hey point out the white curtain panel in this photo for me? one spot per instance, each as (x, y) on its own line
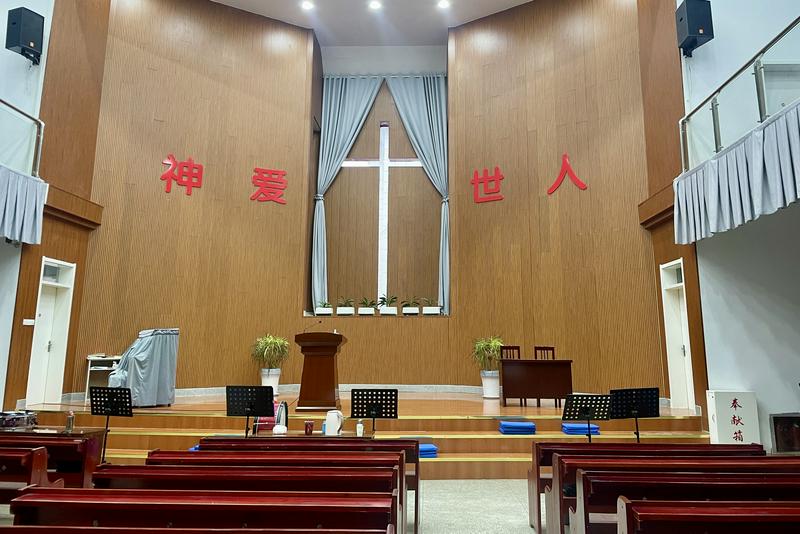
(22, 200)
(757, 175)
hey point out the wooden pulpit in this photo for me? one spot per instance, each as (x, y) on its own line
(319, 385)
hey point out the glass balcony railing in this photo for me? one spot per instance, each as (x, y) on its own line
(762, 87)
(20, 139)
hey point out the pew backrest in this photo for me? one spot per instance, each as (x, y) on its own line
(73, 458)
(124, 530)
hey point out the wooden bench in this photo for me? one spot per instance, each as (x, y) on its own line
(290, 458)
(123, 530)
(203, 509)
(309, 443)
(23, 467)
(707, 517)
(72, 458)
(596, 509)
(565, 472)
(539, 478)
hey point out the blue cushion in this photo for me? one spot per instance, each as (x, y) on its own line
(427, 448)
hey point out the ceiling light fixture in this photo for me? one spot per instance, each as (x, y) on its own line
(375, 5)
(306, 5)
(444, 4)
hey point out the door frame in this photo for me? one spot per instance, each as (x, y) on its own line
(669, 289)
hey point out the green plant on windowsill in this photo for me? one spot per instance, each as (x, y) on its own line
(324, 304)
(429, 302)
(387, 301)
(368, 303)
(345, 302)
(413, 302)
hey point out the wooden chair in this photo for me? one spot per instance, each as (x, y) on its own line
(544, 353)
(510, 352)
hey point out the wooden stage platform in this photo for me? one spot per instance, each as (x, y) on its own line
(463, 426)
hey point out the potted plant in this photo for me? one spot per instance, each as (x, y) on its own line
(323, 308)
(410, 306)
(270, 351)
(345, 307)
(386, 305)
(431, 307)
(486, 352)
(367, 306)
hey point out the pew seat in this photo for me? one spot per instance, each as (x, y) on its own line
(71, 457)
(132, 530)
(598, 491)
(565, 473)
(707, 517)
(23, 467)
(204, 509)
(540, 474)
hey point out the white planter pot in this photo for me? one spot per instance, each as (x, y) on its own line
(491, 384)
(410, 310)
(271, 377)
(323, 311)
(366, 311)
(345, 310)
(388, 310)
(431, 310)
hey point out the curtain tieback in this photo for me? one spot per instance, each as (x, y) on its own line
(445, 200)
(318, 197)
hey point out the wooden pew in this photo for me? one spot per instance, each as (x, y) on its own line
(539, 479)
(291, 458)
(203, 509)
(598, 492)
(20, 468)
(565, 470)
(707, 517)
(265, 478)
(72, 458)
(132, 530)
(309, 443)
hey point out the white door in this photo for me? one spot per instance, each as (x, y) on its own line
(50, 333)
(676, 330)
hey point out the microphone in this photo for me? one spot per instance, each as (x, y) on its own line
(312, 325)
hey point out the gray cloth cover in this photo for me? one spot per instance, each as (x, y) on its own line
(422, 104)
(757, 175)
(346, 101)
(148, 368)
(22, 200)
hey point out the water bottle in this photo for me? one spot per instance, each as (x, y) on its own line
(70, 423)
(360, 428)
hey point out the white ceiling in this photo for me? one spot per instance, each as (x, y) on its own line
(398, 23)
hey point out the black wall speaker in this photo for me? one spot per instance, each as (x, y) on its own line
(25, 33)
(695, 27)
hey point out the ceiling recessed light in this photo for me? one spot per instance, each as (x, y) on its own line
(306, 5)
(444, 4)
(374, 5)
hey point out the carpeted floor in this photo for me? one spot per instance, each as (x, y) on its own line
(475, 506)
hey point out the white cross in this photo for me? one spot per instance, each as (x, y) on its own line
(383, 163)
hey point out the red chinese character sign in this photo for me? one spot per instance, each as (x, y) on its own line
(486, 188)
(733, 417)
(184, 173)
(270, 183)
(566, 170)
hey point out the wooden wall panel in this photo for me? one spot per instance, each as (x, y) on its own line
(351, 213)
(573, 269)
(73, 85)
(414, 226)
(233, 91)
(662, 91)
(664, 251)
(64, 241)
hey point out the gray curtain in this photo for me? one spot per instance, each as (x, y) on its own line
(422, 104)
(22, 200)
(757, 175)
(148, 368)
(346, 101)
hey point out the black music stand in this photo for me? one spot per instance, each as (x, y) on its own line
(373, 404)
(249, 401)
(110, 402)
(634, 403)
(585, 408)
